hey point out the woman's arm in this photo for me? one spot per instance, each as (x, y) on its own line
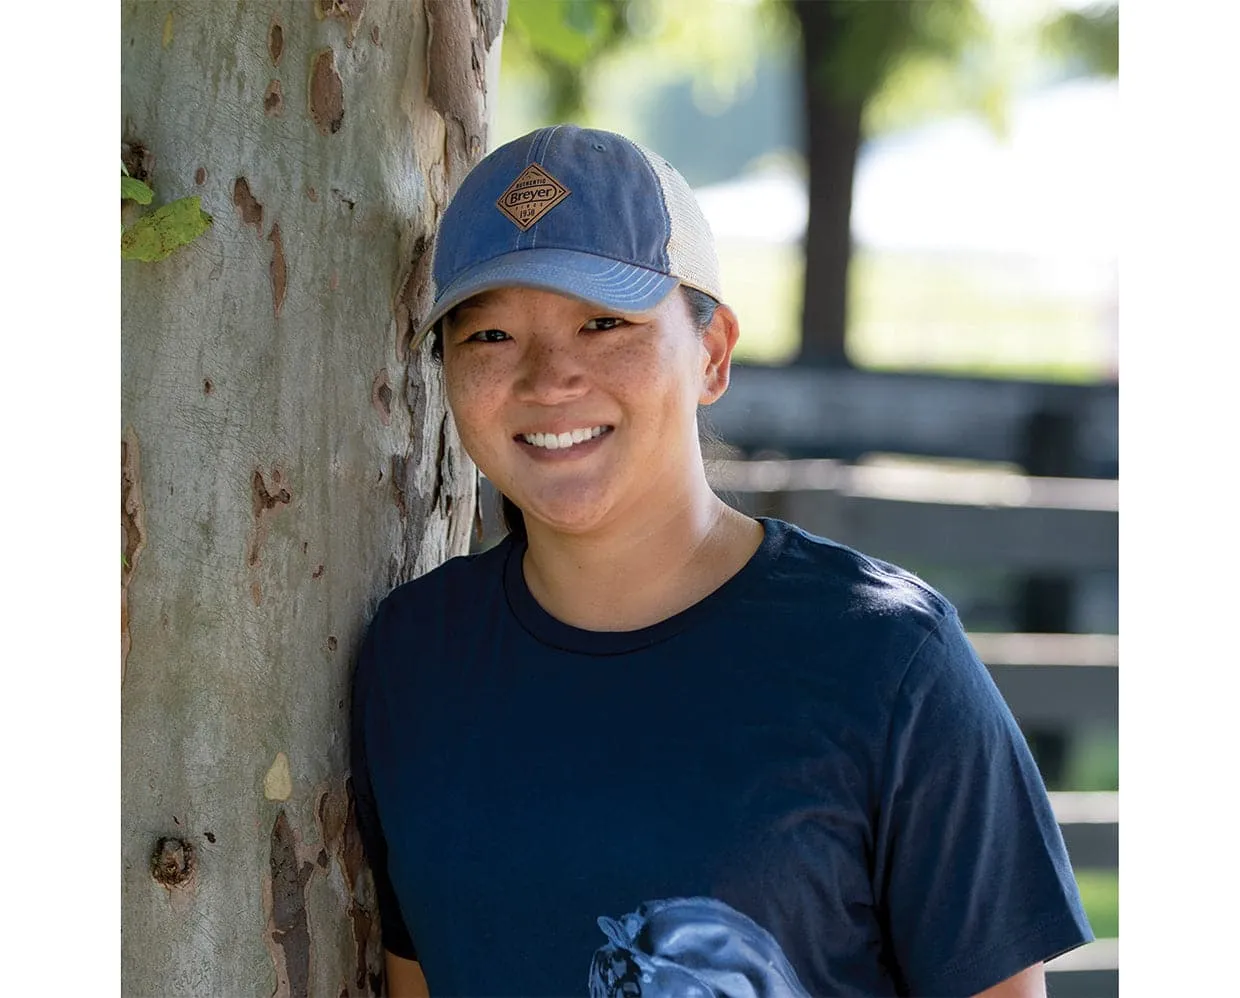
(1029, 983)
(405, 979)
(967, 832)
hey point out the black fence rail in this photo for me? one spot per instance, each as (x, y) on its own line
(1045, 429)
(963, 517)
(1028, 497)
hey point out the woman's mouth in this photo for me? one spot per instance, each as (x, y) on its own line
(565, 440)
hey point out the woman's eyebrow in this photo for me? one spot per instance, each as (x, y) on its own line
(480, 300)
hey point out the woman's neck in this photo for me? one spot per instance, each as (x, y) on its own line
(627, 578)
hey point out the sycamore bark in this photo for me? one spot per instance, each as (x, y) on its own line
(285, 460)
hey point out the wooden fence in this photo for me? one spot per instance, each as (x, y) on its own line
(1047, 429)
(1029, 495)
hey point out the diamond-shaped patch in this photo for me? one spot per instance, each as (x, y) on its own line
(534, 193)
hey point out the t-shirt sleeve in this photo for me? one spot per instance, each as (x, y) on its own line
(394, 933)
(972, 872)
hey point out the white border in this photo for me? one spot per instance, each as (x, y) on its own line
(1180, 381)
(61, 407)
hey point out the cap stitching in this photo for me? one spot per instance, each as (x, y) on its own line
(666, 260)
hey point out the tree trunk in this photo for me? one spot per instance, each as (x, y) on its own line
(833, 130)
(285, 460)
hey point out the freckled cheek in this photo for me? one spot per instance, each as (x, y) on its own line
(475, 395)
(656, 380)
(633, 371)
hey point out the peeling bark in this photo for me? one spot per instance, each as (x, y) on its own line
(456, 61)
(381, 397)
(326, 93)
(251, 211)
(414, 290)
(279, 272)
(350, 11)
(275, 40)
(273, 451)
(133, 530)
(398, 485)
(266, 505)
(273, 100)
(337, 820)
(287, 927)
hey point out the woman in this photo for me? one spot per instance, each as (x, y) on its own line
(648, 745)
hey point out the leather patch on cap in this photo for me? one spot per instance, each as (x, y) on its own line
(531, 196)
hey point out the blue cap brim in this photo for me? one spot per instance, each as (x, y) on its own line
(596, 280)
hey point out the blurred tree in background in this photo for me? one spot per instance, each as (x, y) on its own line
(851, 50)
(866, 66)
(1087, 40)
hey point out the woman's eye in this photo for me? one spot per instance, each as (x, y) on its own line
(603, 323)
(487, 336)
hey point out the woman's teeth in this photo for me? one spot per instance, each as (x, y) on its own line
(556, 441)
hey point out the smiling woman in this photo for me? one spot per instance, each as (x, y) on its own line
(582, 419)
(647, 745)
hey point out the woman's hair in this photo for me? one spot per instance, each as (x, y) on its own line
(701, 310)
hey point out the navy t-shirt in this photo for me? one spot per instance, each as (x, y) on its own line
(805, 784)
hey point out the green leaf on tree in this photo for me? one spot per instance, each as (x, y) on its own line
(154, 236)
(135, 190)
(567, 32)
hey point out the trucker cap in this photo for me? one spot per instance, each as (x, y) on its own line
(581, 212)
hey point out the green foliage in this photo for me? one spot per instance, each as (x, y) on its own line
(1088, 38)
(568, 33)
(958, 61)
(858, 43)
(951, 59)
(624, 48)
(559, 40)
(1100, 896)
(908, 61)
(155, 236)
(135, 190)
(900, 59)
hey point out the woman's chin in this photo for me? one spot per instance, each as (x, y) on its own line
(568, 514)
(567, 520)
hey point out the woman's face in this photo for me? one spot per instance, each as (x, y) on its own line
(581, 415)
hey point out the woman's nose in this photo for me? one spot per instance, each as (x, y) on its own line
(549, 374)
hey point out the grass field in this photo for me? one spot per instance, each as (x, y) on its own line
(971, 316)
(1100, 895)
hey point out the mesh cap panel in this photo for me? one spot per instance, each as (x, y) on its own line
(691, 245)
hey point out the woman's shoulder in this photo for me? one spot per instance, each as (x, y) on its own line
(834, 581)
(461, 582)
(421, 619)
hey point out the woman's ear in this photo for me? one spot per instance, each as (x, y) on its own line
(718, 341)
